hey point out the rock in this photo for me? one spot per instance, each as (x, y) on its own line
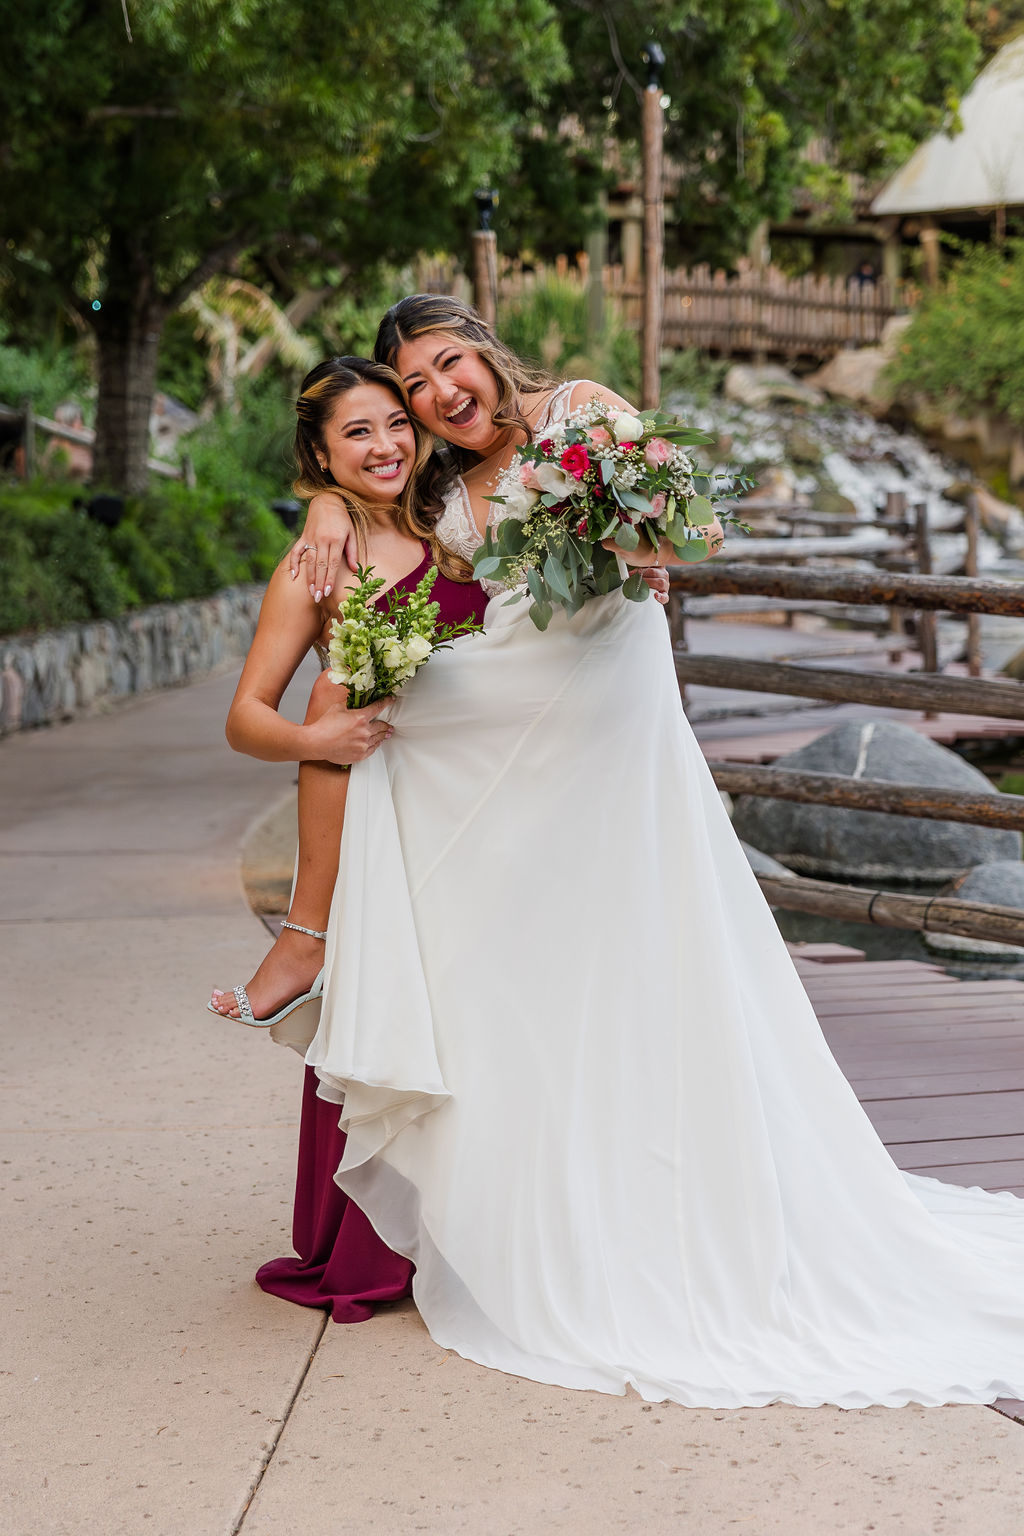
(761, 864)
(999, 884)
(871, 845)
(802, 447)
(761, 386)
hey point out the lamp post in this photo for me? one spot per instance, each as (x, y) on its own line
(485, 257)
(654, 228)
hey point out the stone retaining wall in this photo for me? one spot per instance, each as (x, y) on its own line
(55, 675)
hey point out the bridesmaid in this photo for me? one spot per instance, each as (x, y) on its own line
(354, 433)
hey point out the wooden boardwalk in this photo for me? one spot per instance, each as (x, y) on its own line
(937, 1063)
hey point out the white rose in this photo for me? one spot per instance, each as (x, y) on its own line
(520, 502)
(627, 428)
(553, 480)
(417, 648)
(393, 657)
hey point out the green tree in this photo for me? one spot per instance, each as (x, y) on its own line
(144, 147)
(750, 82)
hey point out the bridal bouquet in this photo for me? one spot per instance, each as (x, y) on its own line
(376, 647)
(601, 475)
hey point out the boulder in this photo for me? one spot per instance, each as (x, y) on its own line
(842, 844)
(761, 386)
(761, 864)
(999, 884)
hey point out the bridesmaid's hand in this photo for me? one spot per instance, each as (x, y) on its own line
(343, 735)
(327, 539)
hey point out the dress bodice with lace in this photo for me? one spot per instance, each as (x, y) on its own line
(457, 528)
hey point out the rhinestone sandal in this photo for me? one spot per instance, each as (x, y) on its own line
(314, 994)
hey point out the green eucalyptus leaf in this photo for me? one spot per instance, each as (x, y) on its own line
(699, 512)
(554, 574)
(541, 613)
(627, 537)
(693, 549)
(607, 469)
(489, 566)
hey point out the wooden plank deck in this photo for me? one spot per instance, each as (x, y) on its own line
(937, 1063)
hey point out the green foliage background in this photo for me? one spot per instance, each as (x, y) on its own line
(60, 567)
(962, 349)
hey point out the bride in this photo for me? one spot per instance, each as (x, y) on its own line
(583, 1088)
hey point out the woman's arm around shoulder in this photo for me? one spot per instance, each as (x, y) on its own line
(325, 545)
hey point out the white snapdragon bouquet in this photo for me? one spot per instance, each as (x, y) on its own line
(376, 646)
(602, 476)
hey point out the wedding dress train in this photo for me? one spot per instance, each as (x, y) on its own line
(583, 1087)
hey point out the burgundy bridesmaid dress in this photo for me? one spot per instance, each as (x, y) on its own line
(342, 1264)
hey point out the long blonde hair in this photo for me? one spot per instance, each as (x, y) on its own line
(421, 501)
(422, 313)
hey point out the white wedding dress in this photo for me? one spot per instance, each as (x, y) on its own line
(583, 1086)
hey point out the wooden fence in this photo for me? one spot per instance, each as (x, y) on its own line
(926, 690)
(755, 312)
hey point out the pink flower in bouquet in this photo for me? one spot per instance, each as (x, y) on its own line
(575, 461)
(599, 436)
(658, 504)
(627, 447)
(525, 473)
(657, 452)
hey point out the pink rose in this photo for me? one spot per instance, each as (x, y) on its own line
(525, 471)
(575, 461)
(658, 504)
(599, 436)
(657, 452)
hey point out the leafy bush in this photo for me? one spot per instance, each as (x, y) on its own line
(549, 326)
(248, 453)
(962, 349)
(61, 567)
(45, 375)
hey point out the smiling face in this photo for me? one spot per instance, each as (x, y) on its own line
(452, 390)
(369, 444)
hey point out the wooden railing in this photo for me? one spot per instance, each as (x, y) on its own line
(755, 312)
(925, 594)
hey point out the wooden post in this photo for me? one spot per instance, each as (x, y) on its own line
(972, 525)
(597, 260)
(926, 629)
(28, 439)
(677, 631)
(654, 232)
(896, 509)
(485, 275)
(929, 238)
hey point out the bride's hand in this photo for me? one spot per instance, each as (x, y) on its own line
(327, 538)
(656, 578)
(343, 735)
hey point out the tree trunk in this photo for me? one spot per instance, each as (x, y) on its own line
(128, 339)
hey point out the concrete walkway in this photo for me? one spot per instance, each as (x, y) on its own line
(148, 1386)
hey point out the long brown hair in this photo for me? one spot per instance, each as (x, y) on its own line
(422, 313)
(421, 501)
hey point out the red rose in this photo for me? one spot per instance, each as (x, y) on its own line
(575, 461)
(627, 447)
(581, 527)
(546, 446)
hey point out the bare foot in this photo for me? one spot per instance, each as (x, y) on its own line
(288, 970)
